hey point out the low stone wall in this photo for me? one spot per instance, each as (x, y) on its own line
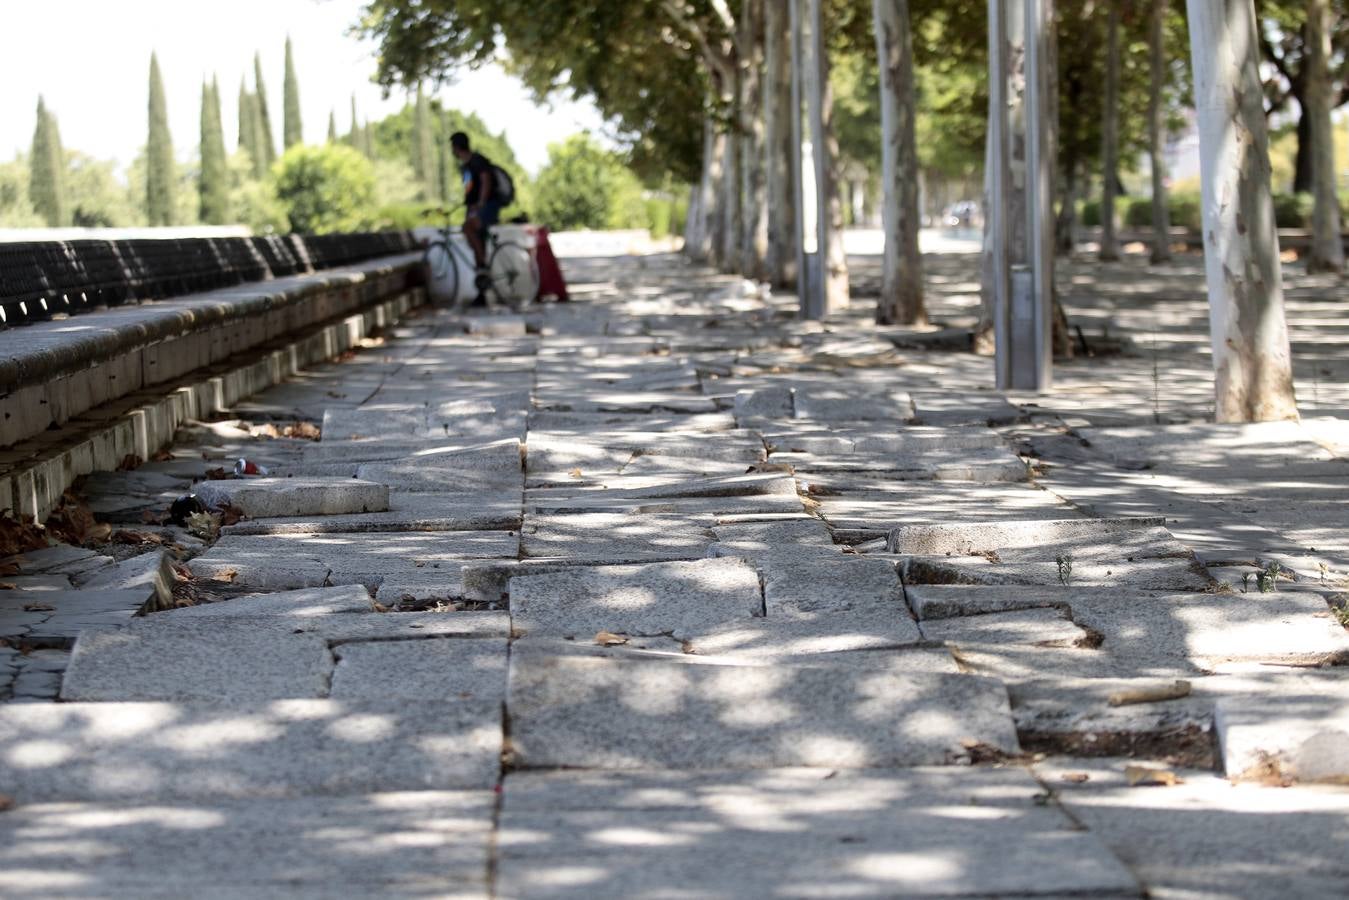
(81, 394)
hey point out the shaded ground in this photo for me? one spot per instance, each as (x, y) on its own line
(675, 595)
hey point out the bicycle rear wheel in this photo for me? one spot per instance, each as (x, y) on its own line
(514, 274)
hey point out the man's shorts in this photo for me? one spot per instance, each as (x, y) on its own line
(489, 213)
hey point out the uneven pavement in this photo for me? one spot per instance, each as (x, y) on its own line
(665, 594)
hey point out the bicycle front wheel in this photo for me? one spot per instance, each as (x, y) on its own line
(443, 272)
(515, 276)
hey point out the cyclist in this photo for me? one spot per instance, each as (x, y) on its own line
(481, 199)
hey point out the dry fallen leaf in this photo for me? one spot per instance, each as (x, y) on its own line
(1076, 777)
(226, 575)
(162, 456)
(380, 607)
(608, 639)
(9, 568)
(217, 474)
(1142, 776)
(230, 515)
(8, 586)
(306, 430)
(127, 536)
(6, 802)
(129, 462)
(576, 473)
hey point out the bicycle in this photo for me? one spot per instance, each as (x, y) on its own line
(512, 274)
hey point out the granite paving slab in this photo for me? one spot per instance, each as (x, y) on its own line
(408, 511)
(622, 713)
(413, 843)
(615, 537)
(300, 605)
(138, 752)
(430, 669)
(1206, 836)
(260, 498)
(1205, 629)
(152, 573)
(225, 659)
(285, 561)
(679, 598)
(1296, 728)
(795, 833)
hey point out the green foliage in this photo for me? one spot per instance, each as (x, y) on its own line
(667, 212)
(97, 198)
(641, 72)
(250, 138)
(1186, 210)
(160, 177)
(263, 119)
(213, 188)
(1293, 210)
(46, 186)
(585, 186)
(293, 130)
(253, 201)
(325, 189)
(15, 209)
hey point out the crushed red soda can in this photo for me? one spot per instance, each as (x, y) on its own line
(247, 467)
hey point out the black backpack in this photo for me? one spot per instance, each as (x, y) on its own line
(503, 188)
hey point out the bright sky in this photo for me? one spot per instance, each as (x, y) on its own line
(90, 60)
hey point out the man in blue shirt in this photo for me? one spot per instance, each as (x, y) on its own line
(484, 210)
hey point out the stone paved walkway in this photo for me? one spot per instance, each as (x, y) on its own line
(664, 594)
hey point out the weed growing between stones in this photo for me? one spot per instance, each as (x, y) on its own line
(1065, 564)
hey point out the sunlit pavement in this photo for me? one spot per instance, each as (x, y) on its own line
(678, 596)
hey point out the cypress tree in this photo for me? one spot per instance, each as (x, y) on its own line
(264, 120)
(213, 188)
(46, 172)
(424, 163)
(368, 140)
(248, 135)
(159, 175)
(354, 138)
(293, 130)
(332, 127)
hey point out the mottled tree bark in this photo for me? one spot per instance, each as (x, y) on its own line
(836, 284)
(1252, 361)
(698, 228)
(1327, 250)
(753, 188)
(1161, 215)
(901, 300)
(1110, 136)
(781, 256)
(715, 209)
